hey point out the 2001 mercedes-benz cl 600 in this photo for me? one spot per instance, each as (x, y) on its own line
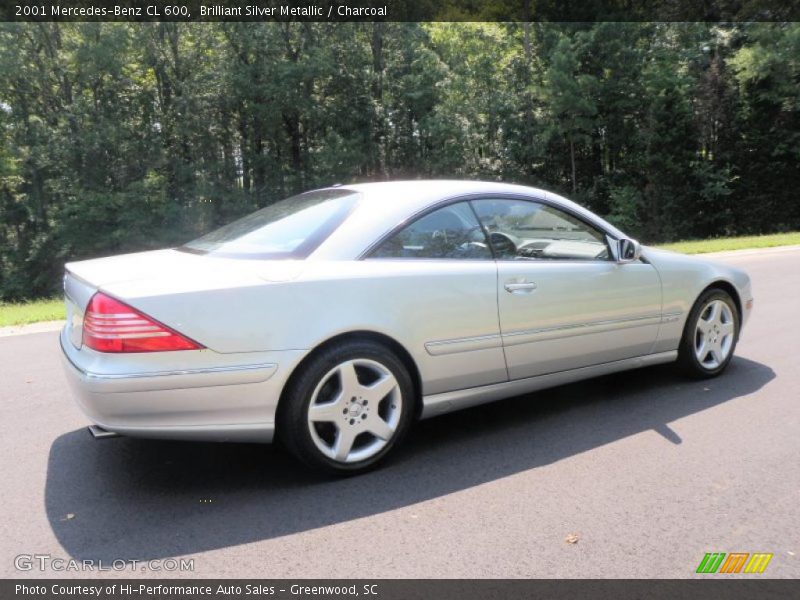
(335, 318)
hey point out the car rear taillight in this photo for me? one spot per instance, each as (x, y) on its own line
(111, 326)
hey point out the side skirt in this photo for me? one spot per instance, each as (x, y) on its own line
(445, 402)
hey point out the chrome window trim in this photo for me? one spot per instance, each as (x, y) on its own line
(479, 196)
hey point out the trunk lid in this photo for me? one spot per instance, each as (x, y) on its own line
(145, 280)
(176, 269)
(168, 265)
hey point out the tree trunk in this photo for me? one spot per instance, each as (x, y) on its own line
(572, 161)
(378, 131)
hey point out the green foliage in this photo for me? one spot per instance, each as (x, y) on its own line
(120, 137)
(624, 202)
(735, 243)
(34, 311)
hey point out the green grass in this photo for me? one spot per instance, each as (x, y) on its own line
(734, 243)
(50, 309)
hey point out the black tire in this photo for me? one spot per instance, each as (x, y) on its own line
(294, 429)
(687, 357)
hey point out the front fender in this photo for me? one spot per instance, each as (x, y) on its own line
(683, 279)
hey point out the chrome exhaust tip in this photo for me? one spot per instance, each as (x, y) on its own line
(99, 433)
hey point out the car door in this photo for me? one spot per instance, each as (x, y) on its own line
(564, 303)
(439, 274)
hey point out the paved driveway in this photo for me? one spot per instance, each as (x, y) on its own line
(647, 470)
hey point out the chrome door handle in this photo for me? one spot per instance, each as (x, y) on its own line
(520, 288)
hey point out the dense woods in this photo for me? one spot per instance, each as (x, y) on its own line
(121, 137)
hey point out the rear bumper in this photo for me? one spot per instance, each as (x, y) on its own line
(187, 395)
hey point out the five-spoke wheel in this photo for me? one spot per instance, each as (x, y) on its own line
(355, 410)
(714, 333)
(710, 335)
(347, 406)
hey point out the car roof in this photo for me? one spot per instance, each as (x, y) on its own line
(422, 191)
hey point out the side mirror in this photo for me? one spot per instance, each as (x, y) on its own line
(628, 250)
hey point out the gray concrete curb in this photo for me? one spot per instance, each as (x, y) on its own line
(749, 251)
(31, 328)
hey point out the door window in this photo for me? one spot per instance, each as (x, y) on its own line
(525, 229)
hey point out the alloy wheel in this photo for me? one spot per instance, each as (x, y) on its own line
(714, 334)
(355, 410)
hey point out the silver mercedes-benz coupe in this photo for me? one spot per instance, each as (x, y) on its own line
(333, 319)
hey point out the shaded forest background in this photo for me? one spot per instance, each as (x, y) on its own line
(122, 137)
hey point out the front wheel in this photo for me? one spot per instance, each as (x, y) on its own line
(710, 335)
(347, 408)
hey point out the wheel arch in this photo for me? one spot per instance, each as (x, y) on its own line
(725, 286)
(380, 338)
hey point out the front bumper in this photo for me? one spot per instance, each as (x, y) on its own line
(195, 395)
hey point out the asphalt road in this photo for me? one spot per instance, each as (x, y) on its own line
(648, 470)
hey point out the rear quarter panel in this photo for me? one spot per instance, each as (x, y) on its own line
(412, 302)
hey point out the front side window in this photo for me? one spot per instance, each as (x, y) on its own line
(451, 232)
(291, 228)
(524, 229)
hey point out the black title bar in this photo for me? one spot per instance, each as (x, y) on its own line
(713, 588)
(400, 10)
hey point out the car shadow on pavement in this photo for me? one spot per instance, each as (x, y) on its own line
(141, 499)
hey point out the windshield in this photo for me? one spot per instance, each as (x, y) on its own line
(291, 228)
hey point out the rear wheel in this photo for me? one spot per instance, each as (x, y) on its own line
(710, 335)
(348, 407)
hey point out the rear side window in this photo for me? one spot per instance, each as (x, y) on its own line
(452, 232)
(291, 228)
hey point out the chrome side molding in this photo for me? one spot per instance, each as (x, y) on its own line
(469, 344)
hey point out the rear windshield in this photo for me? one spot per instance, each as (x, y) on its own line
(291, 228)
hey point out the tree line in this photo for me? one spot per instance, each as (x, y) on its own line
(118, 137)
